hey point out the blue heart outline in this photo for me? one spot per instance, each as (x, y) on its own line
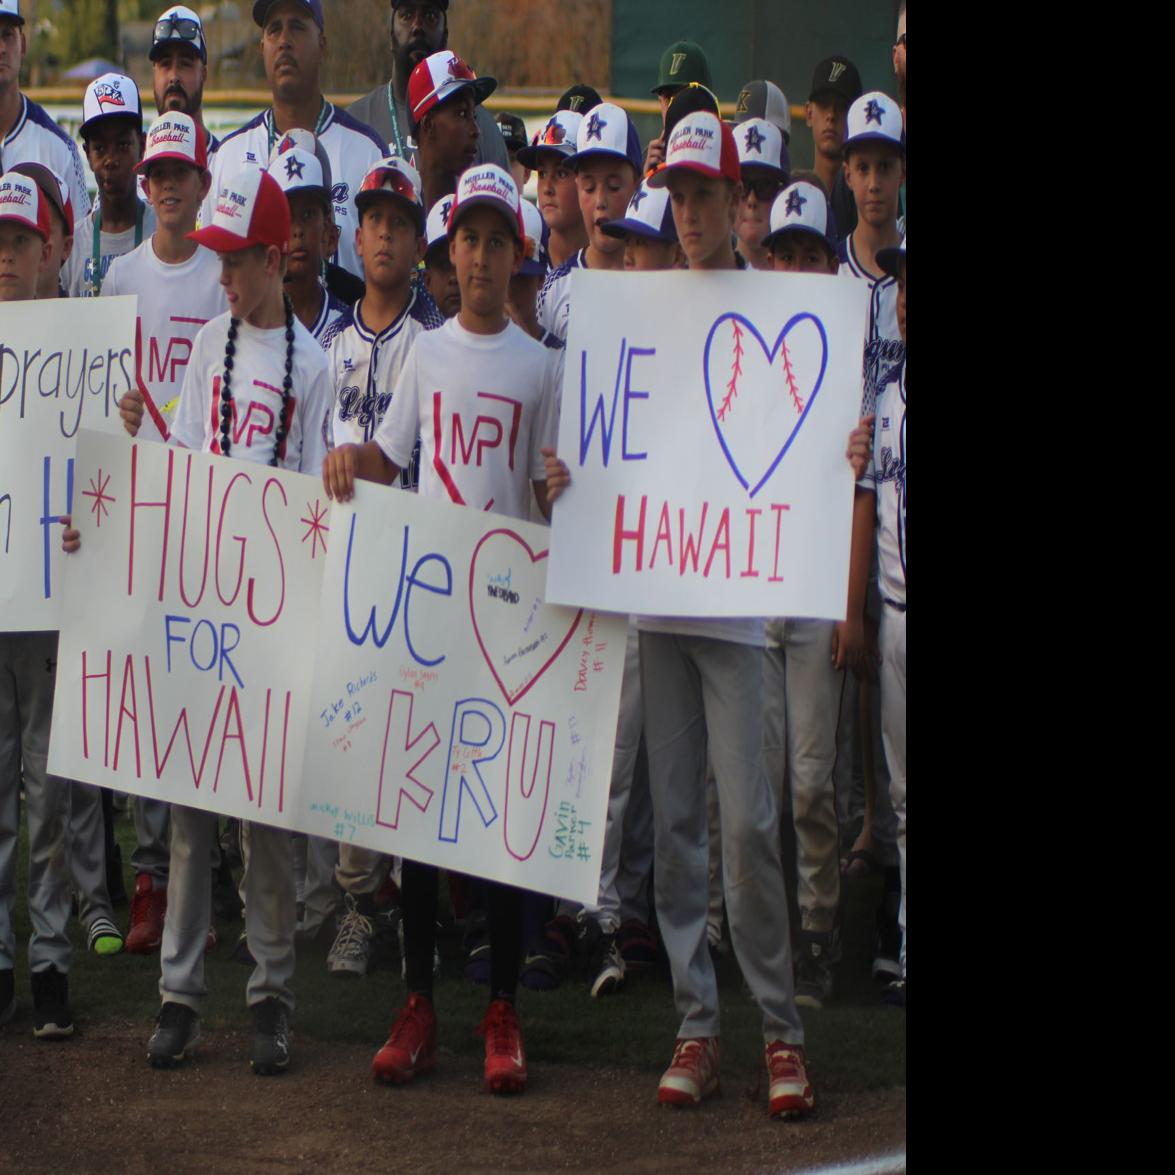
(787, 328)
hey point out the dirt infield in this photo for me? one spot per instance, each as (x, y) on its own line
(93, 1104)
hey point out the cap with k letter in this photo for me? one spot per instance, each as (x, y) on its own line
(251, 209)
(174, 135)
(802, 207)
(488, 184)
(701, 143)
(21, 201)
(764, 99)
(876, 117)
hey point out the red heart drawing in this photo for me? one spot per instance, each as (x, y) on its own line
(513, 632)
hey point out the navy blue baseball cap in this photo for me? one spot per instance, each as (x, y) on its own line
(262, 7)
(649, 214)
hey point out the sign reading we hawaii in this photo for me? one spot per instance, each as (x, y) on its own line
(63, 366)
(704, 421)
(385, 673)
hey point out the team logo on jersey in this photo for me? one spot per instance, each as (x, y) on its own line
(109, 94)
(884, 423)
(340, 192)
(795, 204)
(595, 125)
(295, 168)
(675, 65)
(744, 99)
(348, 365)
(250, 157)
(754, 140)
(838, 67)
(635, 203)
(873, 111)
(365, 408)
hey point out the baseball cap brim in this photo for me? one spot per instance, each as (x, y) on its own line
(220, 240)
(493, 202)
(142, 166)
(482, 88)
(874, 137)
(530, 156)
(363, 201)
(621, 228)
(769, 240)
(660, 178)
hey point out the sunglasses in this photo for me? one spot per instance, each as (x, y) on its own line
(387, 179)
(765, 188)
(177, 27)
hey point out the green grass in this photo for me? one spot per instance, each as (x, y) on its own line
(855, 1044)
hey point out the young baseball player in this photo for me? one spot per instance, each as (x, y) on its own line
(702, 682)
(238, 359)
(550, 157)
(514, 135)
(56, 193)
(607, 165)
(28, 666)
(112, 135)
(648, 232)
(765, 170)
(836, 85)
(440, 278)
(877, 450)
(448, 373)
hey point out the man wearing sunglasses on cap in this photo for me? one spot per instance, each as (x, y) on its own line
(179, 58)
(419, 28)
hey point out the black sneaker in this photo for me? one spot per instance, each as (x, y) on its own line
(887, 941)
(814, 960)
(894, 993)
(605, 967)
(176, 1034)
(7, 995)
(271, 1039)
(52, 1019)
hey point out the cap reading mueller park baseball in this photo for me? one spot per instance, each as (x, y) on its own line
(608, 130)
(436, 229)
(557, 137)
(649, 214)
(761, 148)
(438, 77)
(175, 135)
(53, 188)
(21, 201)
(701, 143)
(683, 62)
(875, 117)
(488, 184)
(764, 99)
(393, 176)
(113, 95)
(835, 77)
(891, 260)
(802, 207)
(534, 257)
(11, 10)
(178, 25)
(250, 209)
(262, 7)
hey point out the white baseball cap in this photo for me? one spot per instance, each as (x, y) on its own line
(21, 201)
(394, 176)
(701, 142)
(11, 9)
(607, 130)
(876, 117)
(801, 207)
(534, 261)
(760, 145)
(113, 95)
(178, 25)
(764, 99)
(649, 214)
(488, 184)
(558, 137)
(175, 135)
(891, 260)
(436, 229)
(299, 170)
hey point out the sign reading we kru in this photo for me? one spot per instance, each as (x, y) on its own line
(704, 420)
(64, 365)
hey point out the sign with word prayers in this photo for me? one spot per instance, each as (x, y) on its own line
(457, 717)
(187, 635)
(63, 366)
(705, 420)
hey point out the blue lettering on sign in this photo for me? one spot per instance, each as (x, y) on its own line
(622, 390)
(207, 643)
(477, 726)
(49, 520)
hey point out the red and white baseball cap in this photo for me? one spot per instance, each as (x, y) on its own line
(488, 184)
(393, 176)
(112, 95)
(876, 117)
(437, 78)
(761, 148)
(54, 189)
(21, 201)
(175, 135)
(802, 207)
(250, 209)
(701, 142)
(557, 137)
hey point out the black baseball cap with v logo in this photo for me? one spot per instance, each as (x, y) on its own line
(836, 77)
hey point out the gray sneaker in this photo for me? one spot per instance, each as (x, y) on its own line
(351, 952)
(271, 1037)
(177, 1031)
(605, 967)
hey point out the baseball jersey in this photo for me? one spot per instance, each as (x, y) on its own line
(36, 138)
(483, 406)
(259, 365)
(883, 341)
(333, 315)
(886, 477)
(553, 305)
(351, 147)
(175, 301)
(84, 271)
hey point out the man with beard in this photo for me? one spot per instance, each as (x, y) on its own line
(179, 58)
(419, 28)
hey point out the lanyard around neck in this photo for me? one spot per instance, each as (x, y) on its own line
(395, 123)
(96, 277)
(271, 124)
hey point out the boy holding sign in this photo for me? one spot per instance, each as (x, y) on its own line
(702, 684)
(451, 373)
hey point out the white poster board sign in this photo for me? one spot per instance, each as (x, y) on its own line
(64, 365)
(705, 418)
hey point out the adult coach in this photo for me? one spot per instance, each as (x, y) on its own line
(293, 44)
(27, 132)
(419, 28)
(179, 61)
